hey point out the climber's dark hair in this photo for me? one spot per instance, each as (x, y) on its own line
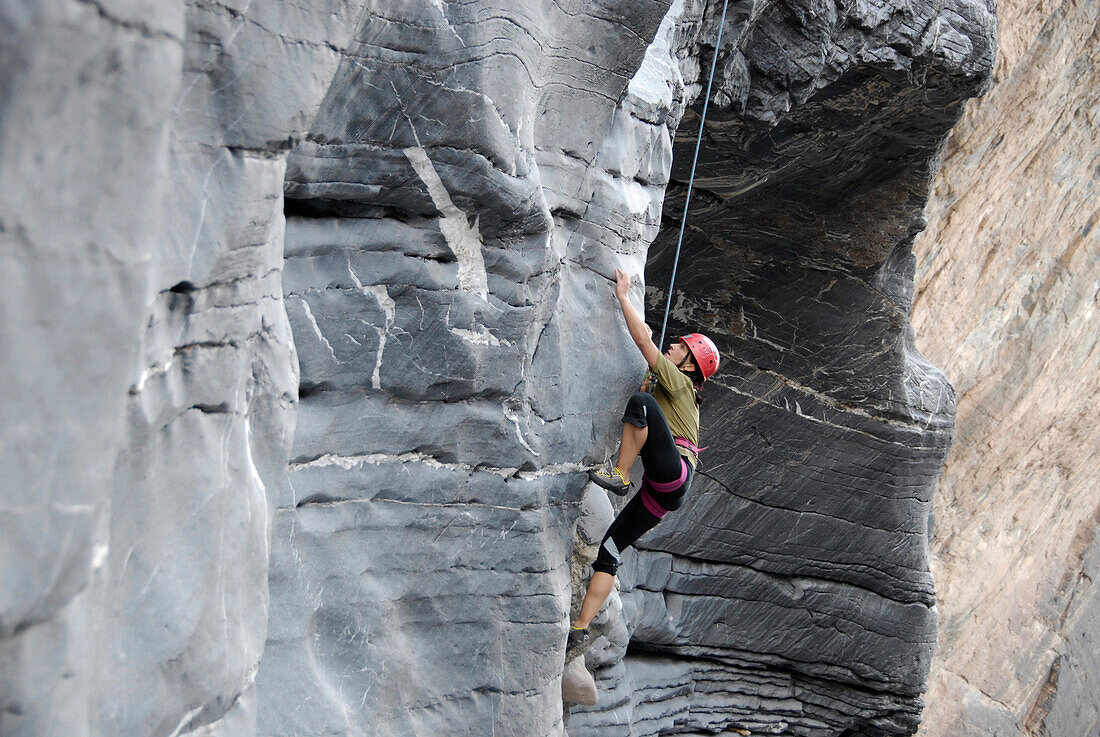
(697, 380)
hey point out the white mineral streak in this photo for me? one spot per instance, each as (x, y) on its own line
(254, 473)
(348, 462)
(382, 295)
(258, 497)
(659, 73)
(39, 507)
(99, 555)
(185, 721)
(389, 308)
(515, 416)
(150, 372)
(316, 327)
(478, 337)
(462, 236)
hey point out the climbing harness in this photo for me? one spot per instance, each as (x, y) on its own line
(691, 179)
(685, 443)
(650, 502)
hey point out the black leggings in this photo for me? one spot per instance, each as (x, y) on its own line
(663, 464)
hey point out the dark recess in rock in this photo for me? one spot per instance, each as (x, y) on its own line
(826, 428)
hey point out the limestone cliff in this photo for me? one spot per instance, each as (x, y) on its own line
(812, 184)
(309, 339)
(1007, 304)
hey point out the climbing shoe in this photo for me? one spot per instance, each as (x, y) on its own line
(610, 478)
(577, 643)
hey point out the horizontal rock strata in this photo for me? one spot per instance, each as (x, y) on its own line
(800, 561)
(1008, 277)
(153, 370)
(452, 224)
(395, 228)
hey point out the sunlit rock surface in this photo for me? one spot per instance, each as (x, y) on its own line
(76, 279)
(1008, 279)
(147, 354)
(391, 226)
(452, 221)
(809, 578)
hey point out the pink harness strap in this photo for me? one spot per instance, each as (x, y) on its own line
(651, 504)
(685, 443)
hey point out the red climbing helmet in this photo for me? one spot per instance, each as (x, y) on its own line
(703, 352)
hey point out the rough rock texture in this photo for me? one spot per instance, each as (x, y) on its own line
(146, 353)
(1007, 304)
(452, 218)
(460, 181)
(395, 228)
(75, 283)
(792, 594)
(577, 684)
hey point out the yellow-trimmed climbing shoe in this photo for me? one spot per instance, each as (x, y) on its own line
(610, 478)
(578, 642)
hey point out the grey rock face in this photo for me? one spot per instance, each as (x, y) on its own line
(76, 277)
(461, 180)
(451, 228)
(798, 598)
(1067, 702)
(210, 415)
(150, 358)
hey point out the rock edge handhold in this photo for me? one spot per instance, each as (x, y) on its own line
(577, 684)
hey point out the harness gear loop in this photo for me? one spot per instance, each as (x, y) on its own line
(685, 443)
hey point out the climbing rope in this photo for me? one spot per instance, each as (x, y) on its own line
(691, 179)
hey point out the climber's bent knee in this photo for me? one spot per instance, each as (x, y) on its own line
(608, 558)
(638, 408)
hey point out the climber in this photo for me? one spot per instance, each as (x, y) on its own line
(663, 428)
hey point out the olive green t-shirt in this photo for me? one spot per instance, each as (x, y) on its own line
(675, 395)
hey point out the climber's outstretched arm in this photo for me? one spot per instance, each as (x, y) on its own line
(634, 322)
